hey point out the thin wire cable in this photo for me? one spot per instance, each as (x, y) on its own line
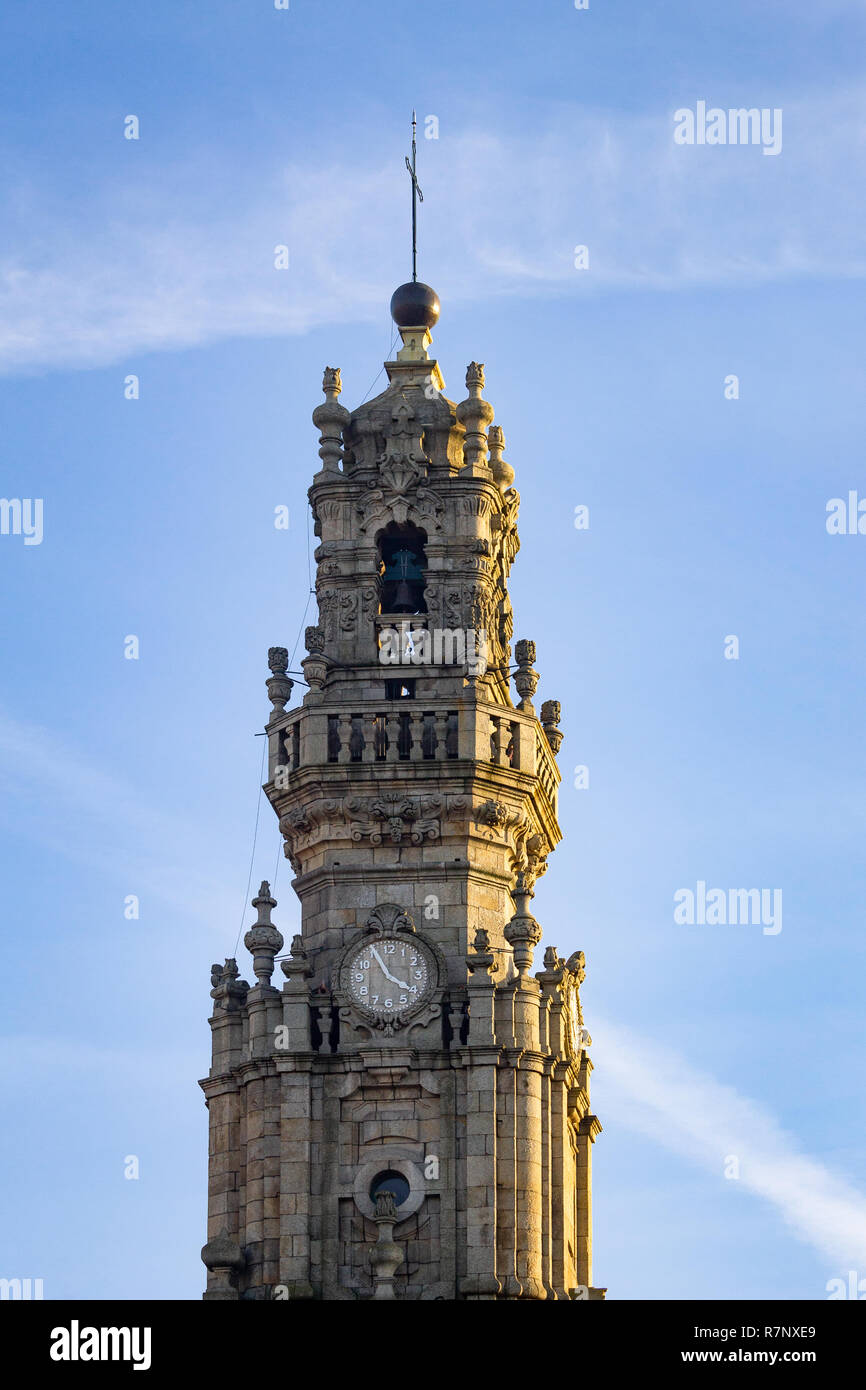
(253, 855)
(277, 865)
(309, 595)
(381, 369)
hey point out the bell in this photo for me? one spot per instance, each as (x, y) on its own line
(404, 572)
(404, 599)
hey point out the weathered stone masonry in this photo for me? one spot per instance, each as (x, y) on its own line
(420, 1129)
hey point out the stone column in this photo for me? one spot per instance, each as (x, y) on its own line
(523, 933)
(587, 1133)
(294, 1063)
(295, 1178)
(480, 1280)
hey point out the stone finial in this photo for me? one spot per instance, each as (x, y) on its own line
(298, 965)
(525, 678)
(386, 1256)
(551, 958)
(222, 1252)
(481, 963)
(551, 713)
(503, 473)
(223, 1258)
(331, 419)
(524, 652)
(263, 940)
(314, 666)
(227, 989)
(278, 685)
(523, 932)
(475, 415)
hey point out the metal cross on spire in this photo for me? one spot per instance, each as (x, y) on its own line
(420, 199)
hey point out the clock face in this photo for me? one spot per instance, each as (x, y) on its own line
(389, 975)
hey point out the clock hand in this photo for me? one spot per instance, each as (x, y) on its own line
(385, 971)
(383, 967)
(374, 952)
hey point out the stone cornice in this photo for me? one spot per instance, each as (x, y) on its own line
(224, 1084)
(591, 1125)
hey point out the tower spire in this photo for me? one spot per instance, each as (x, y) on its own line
(420, 198)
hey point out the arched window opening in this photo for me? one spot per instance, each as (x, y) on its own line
(401, 551)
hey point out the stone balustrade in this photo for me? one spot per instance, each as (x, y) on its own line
(414, 732)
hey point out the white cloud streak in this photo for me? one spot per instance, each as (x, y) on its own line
(57, 798)
(663, 1097)
(173, 261)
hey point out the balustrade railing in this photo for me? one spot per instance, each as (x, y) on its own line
(401, 734)
(392, 736)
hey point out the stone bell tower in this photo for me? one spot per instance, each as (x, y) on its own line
(409, 1116)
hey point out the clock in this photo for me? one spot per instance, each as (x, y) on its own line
(390, 975)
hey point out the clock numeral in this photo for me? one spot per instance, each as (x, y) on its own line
(389, 1003)
(375, 999)
(403, 999)
(358, 977)
(363, 990)
(413, 989)
(389, 947)
(419, 974)
(365, 965)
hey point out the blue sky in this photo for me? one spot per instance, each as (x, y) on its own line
(707, 518)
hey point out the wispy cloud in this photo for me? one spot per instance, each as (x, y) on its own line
(665, 1098)
(59, 798)
(173, 260)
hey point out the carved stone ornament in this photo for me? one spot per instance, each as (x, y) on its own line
(524, 652)
(331, 418)
(299, 825)
(525, 678)
(497, 817)
(551, 713)
(278, 686)
(227, 990)
(523, 932)
(396, 817)
(529, 855)
(348, 611)
(403, 463)
(390, 917)
(493, 813)
(423, 508)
